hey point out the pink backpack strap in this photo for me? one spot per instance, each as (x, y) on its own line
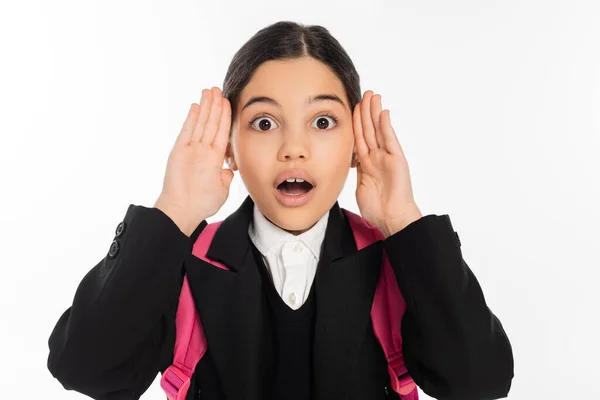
(387, 311)
(190, 341)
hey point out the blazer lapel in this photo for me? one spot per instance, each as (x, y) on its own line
(345, 287)
(232, 308)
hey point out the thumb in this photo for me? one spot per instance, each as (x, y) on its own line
(226, 177)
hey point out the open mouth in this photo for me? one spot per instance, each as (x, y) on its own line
(294, 187)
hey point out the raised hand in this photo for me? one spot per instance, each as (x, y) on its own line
(384, 191)
(196, 185)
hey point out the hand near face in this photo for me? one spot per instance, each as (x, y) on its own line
(196, 185)
(384, 191)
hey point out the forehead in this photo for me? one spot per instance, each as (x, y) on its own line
(292, 82)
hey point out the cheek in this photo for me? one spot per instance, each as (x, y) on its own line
(254, 160)
(337, 154)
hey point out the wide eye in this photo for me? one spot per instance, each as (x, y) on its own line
(263, 123)
(323, 123)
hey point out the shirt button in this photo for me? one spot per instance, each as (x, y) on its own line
(297, 247)
(292, 298)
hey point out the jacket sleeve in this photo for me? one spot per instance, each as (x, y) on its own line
(454, 346)
(119, 331)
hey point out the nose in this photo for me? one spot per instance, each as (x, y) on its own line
(294, 145)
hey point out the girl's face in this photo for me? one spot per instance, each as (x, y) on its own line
(285, 130)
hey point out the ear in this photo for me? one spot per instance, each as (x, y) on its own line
(354, 162)
(229, 157)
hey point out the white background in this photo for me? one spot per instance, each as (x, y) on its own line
(496, 104)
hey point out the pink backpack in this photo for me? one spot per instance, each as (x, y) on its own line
(386, 315)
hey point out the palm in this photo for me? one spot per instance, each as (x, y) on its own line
(195, 179)
(384, 189)
(199, 168)
(375, 190)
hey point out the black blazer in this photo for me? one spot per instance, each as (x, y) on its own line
(119, 332)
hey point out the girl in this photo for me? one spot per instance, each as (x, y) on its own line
(290, 318)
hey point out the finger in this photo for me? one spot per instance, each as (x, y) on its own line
(375, 114)
(187, 130)
(205, 103)
(367, 123)
(222, 136)
(392, 144)
(362, 150)
(212, 126)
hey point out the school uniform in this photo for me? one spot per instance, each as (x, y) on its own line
(119, 332)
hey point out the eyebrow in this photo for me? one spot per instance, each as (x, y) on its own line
(268, 100)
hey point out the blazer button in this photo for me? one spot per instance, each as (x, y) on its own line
(114, 248)
(120, 229)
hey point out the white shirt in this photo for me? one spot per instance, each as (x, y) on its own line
(292, 260)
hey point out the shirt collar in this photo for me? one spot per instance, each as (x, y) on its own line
(268, 237)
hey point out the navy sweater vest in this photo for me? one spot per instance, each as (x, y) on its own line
(292, 340)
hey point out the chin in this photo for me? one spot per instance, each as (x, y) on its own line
(295, 224)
